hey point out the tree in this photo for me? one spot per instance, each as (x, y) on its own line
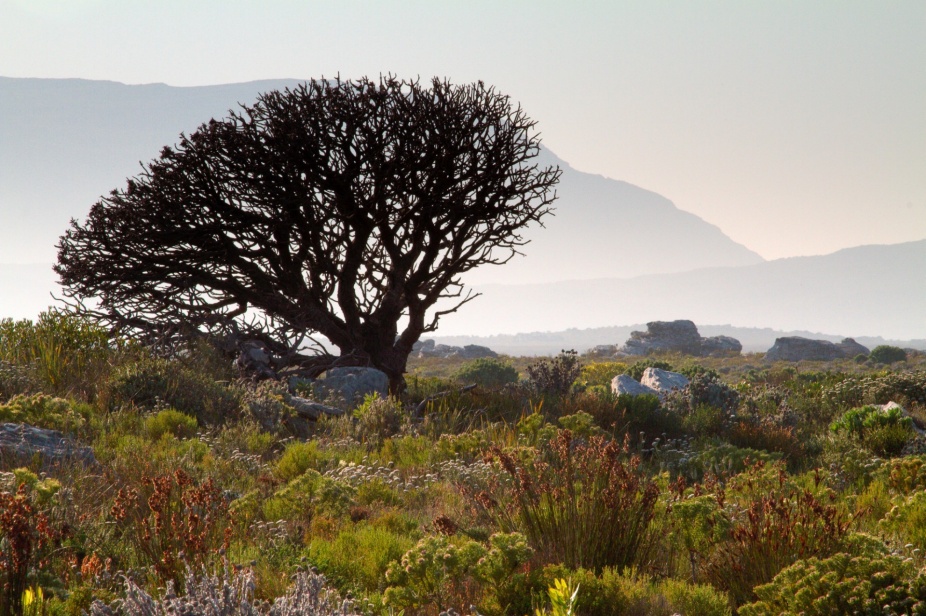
(346, 209)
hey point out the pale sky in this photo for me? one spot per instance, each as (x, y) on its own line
(798, 128)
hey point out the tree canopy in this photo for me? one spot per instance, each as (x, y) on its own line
(346, 209)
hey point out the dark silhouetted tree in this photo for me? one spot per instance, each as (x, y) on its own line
(346, 209)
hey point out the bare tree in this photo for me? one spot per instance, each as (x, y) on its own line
(345, 209)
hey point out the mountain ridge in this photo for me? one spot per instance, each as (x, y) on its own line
(65, 142)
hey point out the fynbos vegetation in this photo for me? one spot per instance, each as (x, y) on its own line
(748, 492)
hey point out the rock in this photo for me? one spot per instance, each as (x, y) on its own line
(474, 351)
(679, 336)
(254, 359)
(663, 381)
(602, 350)
(22, 442)
(429, 348)
(719, 346)
(796, 348)
(353, 384)
(850, 348)
(624, 384)
(309, 409)
(423, 345)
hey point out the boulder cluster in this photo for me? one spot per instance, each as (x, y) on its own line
(654, 381)
(796, 348)
(429, 348)
(674, 336)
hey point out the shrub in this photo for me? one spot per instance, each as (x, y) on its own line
(906, 475)
(171, 421)
(487, 372)
(358, 556)
(773, 531)
(171, 515)
(703, 390)
(555, 376)
(883, 431)
(578, 503)
(45, 411)
(230, 594)
(638, 368)
(906, 521)
(842, 584)
(886, 354)
(24, 537)
(616, 593)
(434, 572)
(64, 353)
(297, 458)
(153, 382)
(905, 388)
(378, 419)
(601, 373)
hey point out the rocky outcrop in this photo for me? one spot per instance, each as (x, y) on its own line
(797, 348)
(678, 336)
(22, 443)
(851, 348)
(624, 384)
(719, 346)
(429, 348)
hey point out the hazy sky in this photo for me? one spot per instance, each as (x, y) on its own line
(797, 127)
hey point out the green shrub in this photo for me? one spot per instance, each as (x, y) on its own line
(153, 382)
(842, 584)
(62, 353)
(634, 414)
(906, 521)
(636, 370)
(297, 458)
(45, 411)
(906, 388)
(615, 593)
(601, 373)
(554, 377)
(886, 354)
(358, 557)
(487, 372)
(906, 475)
(884, 431)
(434, 572)
(171, 421)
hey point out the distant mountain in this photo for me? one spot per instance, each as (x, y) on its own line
(863, 291)
(65, 142)
(608, 228)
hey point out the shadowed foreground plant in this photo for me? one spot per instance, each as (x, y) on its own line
(23, 534)
(172, 518)
(775, 530)
(578, 503)
(229, 595)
